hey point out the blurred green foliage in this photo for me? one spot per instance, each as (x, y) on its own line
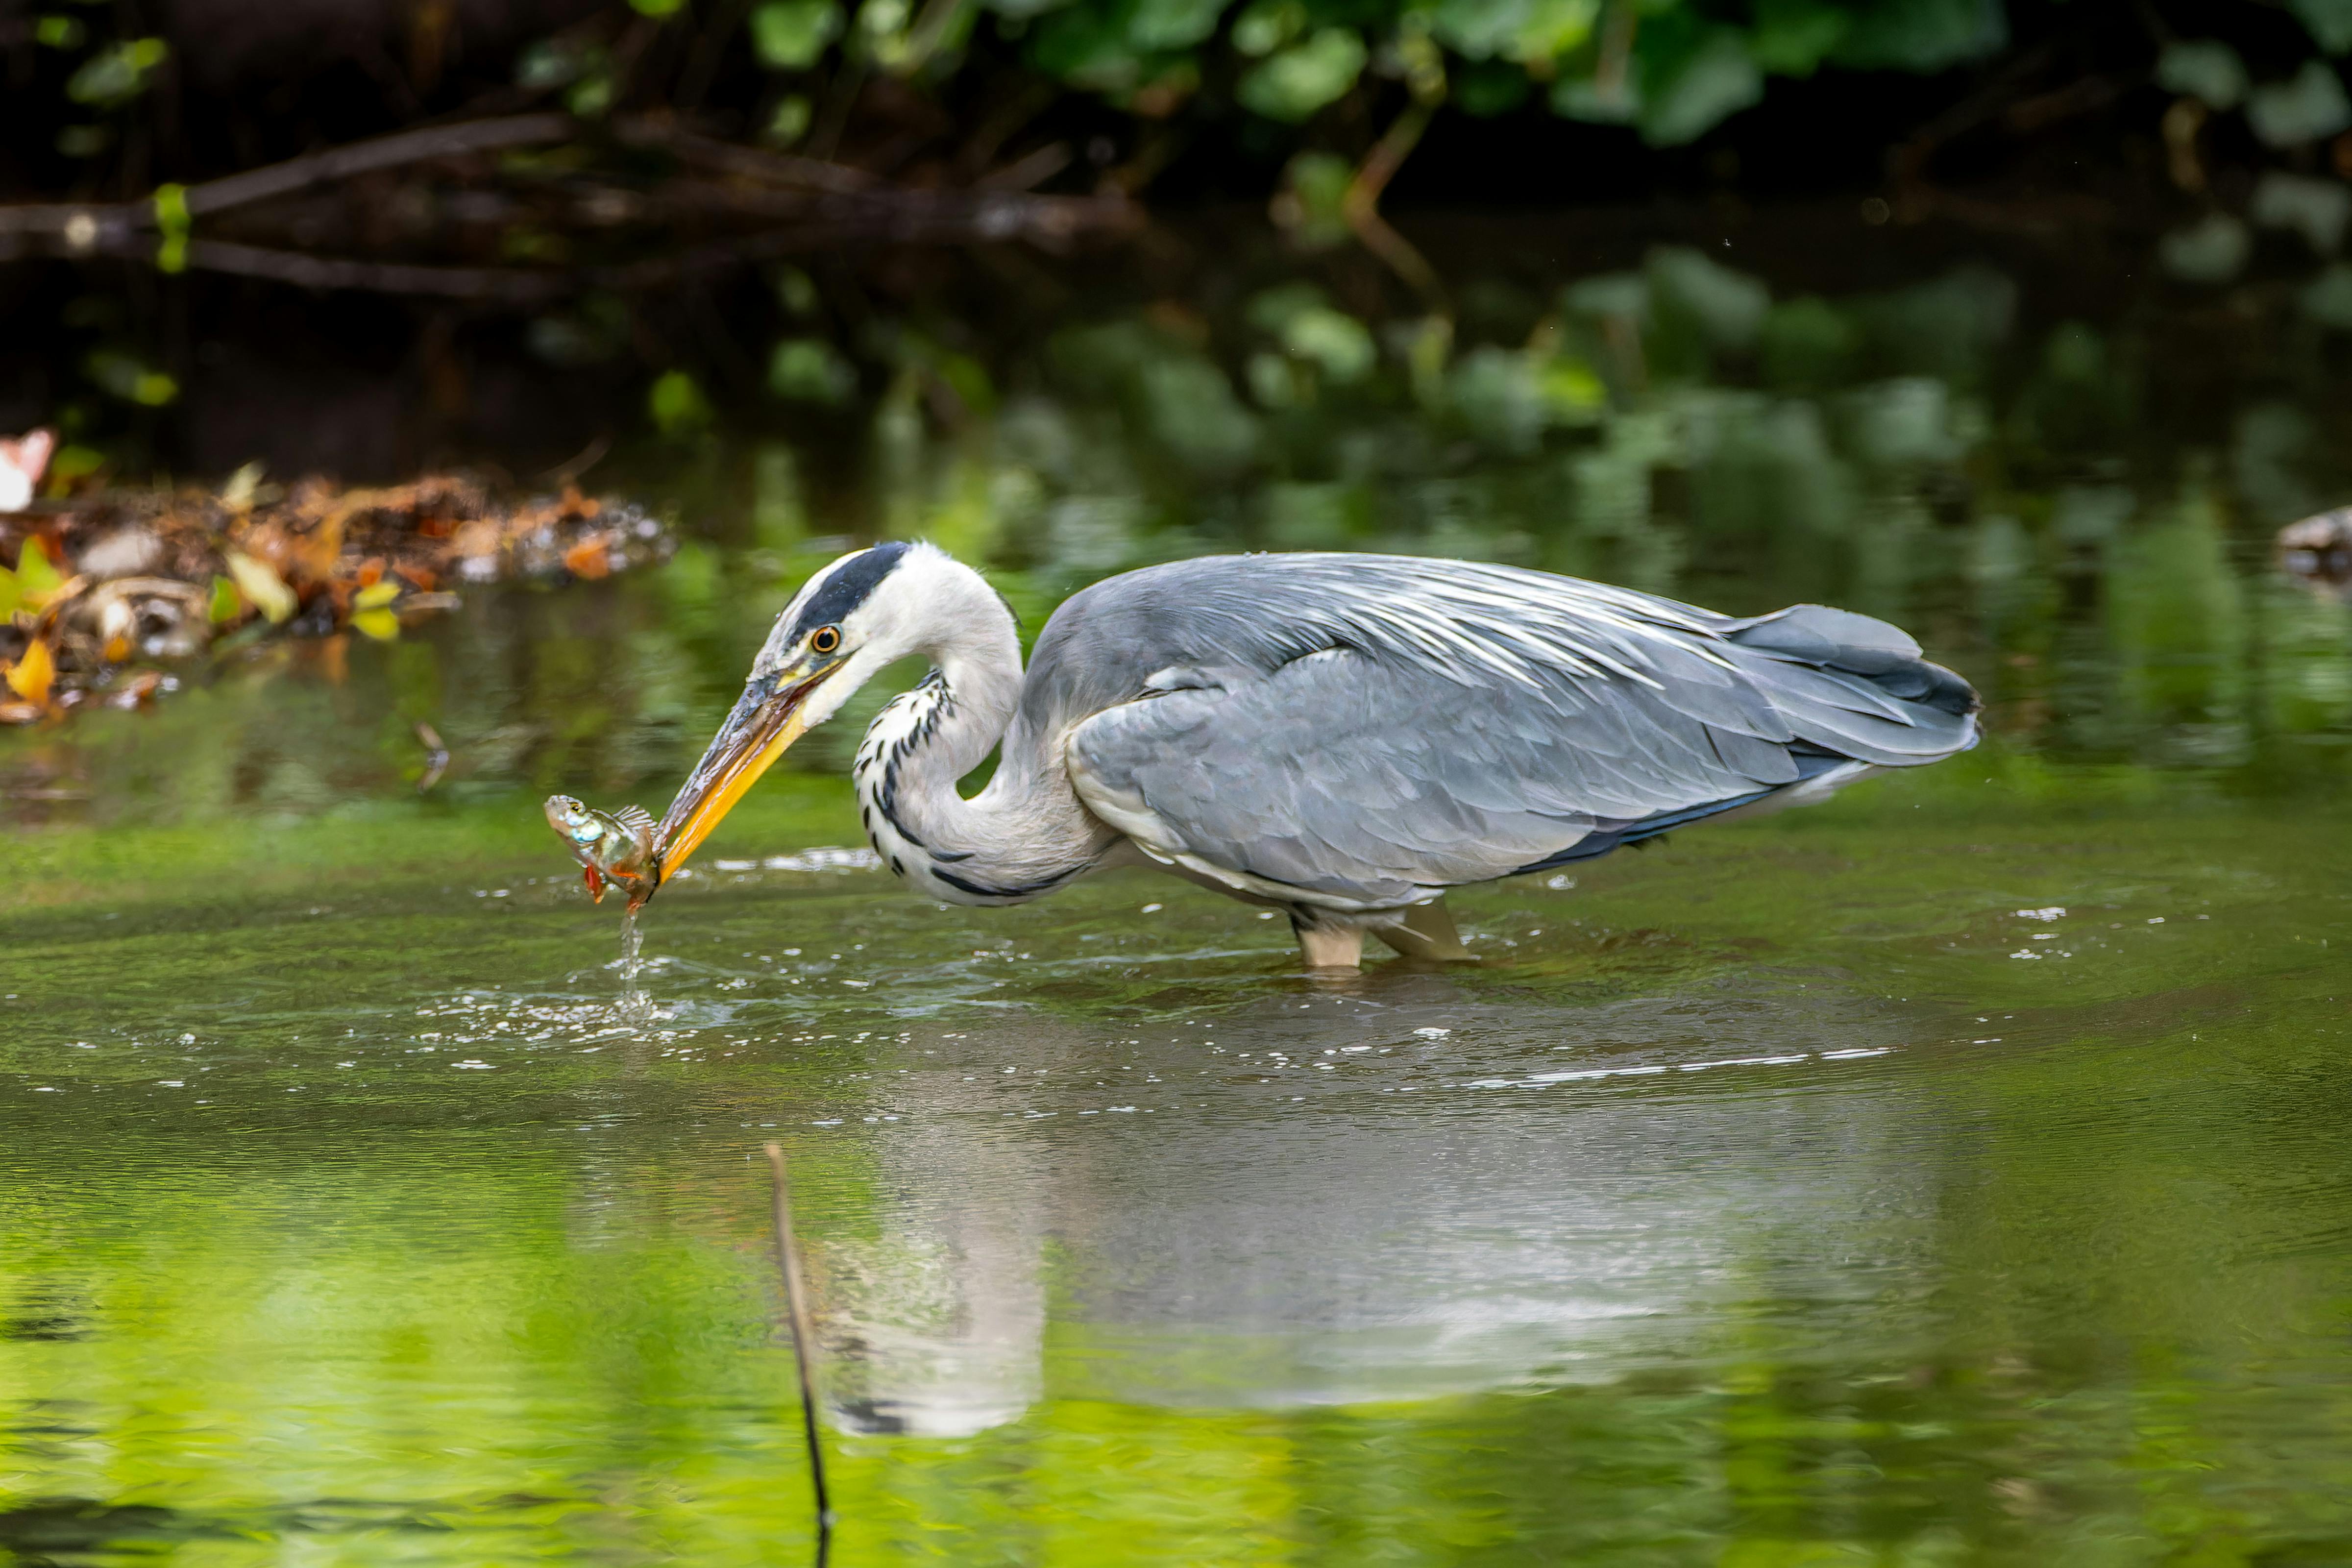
(1679, 425)
(1673, 67)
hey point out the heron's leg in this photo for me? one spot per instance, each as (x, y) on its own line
(1427, 931)
(1330, 946)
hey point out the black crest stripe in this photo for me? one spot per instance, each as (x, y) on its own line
(849, 587)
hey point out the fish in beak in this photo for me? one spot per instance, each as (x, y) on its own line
(767, 719)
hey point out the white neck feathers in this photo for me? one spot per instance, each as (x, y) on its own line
(1025, 834)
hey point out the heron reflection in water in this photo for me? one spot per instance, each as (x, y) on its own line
(1342, 738)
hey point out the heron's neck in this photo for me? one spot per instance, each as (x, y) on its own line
(1023, 834)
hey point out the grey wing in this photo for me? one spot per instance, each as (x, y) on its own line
(1361, 779)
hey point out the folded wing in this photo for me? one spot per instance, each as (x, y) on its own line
(1365, 730)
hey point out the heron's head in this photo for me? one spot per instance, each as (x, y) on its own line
(861, 613)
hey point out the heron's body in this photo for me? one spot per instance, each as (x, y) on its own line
(1343, 737)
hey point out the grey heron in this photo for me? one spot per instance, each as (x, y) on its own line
(1338, 737)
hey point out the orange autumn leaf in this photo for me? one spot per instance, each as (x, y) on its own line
(588, 559)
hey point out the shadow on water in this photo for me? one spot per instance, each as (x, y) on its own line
(1951, 1174)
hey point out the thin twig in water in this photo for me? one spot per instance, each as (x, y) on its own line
(787, 1261)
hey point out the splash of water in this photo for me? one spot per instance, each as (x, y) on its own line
(634, 1003)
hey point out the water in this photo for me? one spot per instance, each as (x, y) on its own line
(1953, 1173)
(633, 1004)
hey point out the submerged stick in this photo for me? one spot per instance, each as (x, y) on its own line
(787, 1261)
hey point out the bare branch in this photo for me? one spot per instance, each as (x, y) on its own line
(381, 153)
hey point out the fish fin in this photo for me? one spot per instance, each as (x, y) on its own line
(636, 822)
(595, 884)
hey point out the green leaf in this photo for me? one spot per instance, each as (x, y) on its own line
(1173, 24)
(1087, 46)
(36, 579)
(591, 96)
(1715, 81)
(1725, 307)
(2211, 250)
(677, 404)
(11, 596)
(1489, 87)
(1524, 30)
(1190, 408)
(1265, 26)
(1807, 342)
(1498, 399)
(791, 120)
(115, 76)
(2315, 209)
(131, 379)
(76, 462)
(1791, 37)
(2329, 21)
(655, 7)
(1922, 35)
(547, 64)
(2305, 108)
(810, 370)
(1572, 392)
(60, 32)
(1338, 345)
(2204, 68)
(226, 604)
(1311, 206)
(1590, 100)
(2326, 299)
(1294, 83)
(791, 35)
(172, 218)
(1273, 309)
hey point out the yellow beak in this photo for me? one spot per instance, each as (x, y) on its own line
(764, 723)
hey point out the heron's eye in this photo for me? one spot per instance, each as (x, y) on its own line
(825, 639)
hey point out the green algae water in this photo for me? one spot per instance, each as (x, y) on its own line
(1900, 1183)
(1958, 1172)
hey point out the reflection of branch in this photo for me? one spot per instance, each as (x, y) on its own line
(788, 1263)
(507, 284)
(809, 224)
